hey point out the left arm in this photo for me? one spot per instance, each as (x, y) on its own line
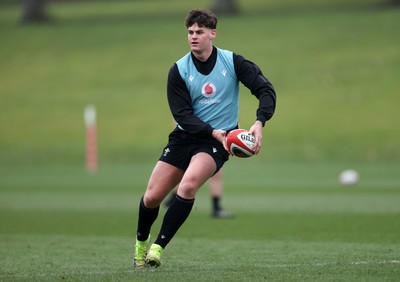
(251, 76)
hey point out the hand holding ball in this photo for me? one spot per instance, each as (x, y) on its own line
(240, 143)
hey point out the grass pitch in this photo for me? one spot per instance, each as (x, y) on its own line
(335, 65)
(293, 222)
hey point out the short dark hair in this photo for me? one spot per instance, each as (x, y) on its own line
(203, 17)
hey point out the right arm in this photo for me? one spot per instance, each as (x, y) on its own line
(180, 104)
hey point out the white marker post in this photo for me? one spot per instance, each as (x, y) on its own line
(91, 142)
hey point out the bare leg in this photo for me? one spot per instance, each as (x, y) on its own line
(201, 168)
(162, 180)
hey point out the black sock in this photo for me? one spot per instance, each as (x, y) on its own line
(146, 219)
(216, 204)
(175, 216)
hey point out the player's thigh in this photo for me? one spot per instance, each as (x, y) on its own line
(162, 180)
(202, 166)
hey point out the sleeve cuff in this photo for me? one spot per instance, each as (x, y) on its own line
(209, 130)
(262, 119)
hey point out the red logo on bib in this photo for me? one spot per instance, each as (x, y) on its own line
(208, 90)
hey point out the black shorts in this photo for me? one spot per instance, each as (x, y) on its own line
(182, 147)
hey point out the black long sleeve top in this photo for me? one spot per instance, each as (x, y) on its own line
(247, 72)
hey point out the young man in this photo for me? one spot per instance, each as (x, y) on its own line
(203, 95)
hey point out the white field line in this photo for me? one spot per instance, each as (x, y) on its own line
(329, 263)
(100, 273)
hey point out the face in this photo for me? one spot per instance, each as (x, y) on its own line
(200, 38)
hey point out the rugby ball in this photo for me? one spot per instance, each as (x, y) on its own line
(349, 177)
(240, 143)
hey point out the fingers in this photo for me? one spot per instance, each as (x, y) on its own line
(256, 130)
(220, 135)
(258, 144)
(224, 143)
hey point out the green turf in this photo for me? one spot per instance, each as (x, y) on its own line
(293, 222)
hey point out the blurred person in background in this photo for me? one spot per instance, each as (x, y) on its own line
(203, 96)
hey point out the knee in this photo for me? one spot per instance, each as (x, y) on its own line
(188, 190)
(152, 200)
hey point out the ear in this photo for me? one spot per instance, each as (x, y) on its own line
(213, 33)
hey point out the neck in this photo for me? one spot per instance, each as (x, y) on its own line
(203, 56)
